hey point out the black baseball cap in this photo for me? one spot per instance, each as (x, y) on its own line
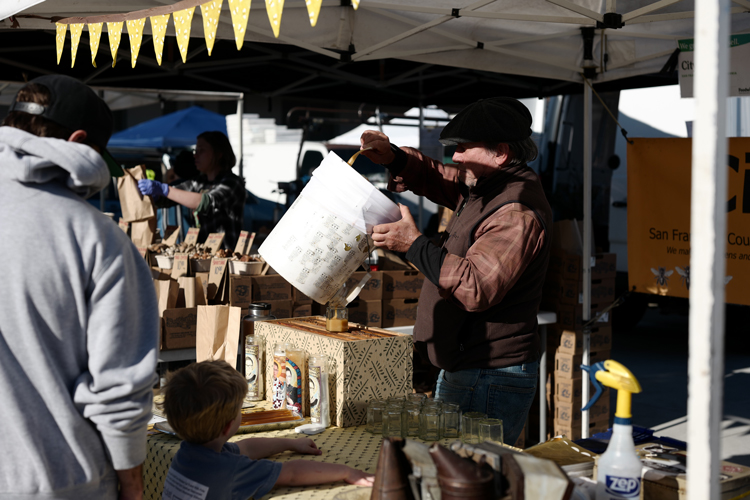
(75, 106)
(498, 119)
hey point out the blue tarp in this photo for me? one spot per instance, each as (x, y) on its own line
(177, 129)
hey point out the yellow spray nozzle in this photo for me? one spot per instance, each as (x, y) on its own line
(613, 374)
(618, 377)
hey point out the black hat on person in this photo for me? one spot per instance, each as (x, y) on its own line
(75, 106)
(494, 120)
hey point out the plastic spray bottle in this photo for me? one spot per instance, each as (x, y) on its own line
(619, 468)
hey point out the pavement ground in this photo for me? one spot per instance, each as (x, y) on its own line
(656, 351)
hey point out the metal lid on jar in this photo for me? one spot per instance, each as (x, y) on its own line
(258, 310)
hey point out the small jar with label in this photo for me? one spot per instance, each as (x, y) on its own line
(279, 377)
(254, 355)
(320, 412)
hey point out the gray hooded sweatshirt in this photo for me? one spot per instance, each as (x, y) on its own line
(78, 327)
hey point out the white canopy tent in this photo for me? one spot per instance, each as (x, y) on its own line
(550, 39)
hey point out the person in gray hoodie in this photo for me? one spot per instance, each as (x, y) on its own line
(78, 318)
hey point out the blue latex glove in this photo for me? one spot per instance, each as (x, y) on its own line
(155, 189)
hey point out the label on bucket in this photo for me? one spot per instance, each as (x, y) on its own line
(314, 250)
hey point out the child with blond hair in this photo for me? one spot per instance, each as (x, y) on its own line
(202, 402)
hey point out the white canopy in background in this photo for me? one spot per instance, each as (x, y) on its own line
(524, 37)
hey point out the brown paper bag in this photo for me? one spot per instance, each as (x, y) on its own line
(190, 294)
(123, 225)
(218, 333)
(201, 281)
(166, 294)
(142, 232)
(134, 205)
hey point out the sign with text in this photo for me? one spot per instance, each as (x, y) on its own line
(739, 71)
(192, 236)
(214, 241)
(180, 265)
(216, 277)
(659, 218)
(245, 242)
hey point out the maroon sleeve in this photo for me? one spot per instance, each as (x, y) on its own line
(430, 178)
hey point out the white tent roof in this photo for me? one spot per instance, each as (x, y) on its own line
(526, 37)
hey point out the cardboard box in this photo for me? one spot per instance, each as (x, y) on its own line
(300, 298)
(571, 391)
(669, 484)
(240, 291)
(571, 316)
(568, 366)
(301, 310)
(179, 327)
(270, 287)
(402, 284)
(366, 312)
(362, 369)
(571, 291)
(373, 289)
(567, 266)
(281, 309)
(399, 312)
(571, 341)
(569, 413)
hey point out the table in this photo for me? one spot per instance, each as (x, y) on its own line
(352, 446)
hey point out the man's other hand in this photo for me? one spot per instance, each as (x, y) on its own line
(397, 236)
(381, 147)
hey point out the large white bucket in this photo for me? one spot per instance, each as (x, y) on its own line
(322, 239)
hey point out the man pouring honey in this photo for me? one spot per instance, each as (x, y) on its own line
(476, 319)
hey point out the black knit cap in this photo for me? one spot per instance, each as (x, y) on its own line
(75, 106)
(498, 119)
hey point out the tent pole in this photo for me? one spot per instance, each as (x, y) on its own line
(240, 111)
(707, 261)
(587, 243)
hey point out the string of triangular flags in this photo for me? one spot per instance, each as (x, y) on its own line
(182, 16)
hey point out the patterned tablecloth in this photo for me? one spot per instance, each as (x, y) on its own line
(352, 446)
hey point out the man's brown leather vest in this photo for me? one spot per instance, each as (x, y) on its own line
(506, 333)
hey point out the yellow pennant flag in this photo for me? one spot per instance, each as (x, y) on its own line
(182, 22)
(210, 11)
(313, 8)
(158, 30)
(114, 31)
(240, 10)
(95, 34)
(274, 8)
(75, 38)
(355, 4)
(60, 39)
(135, 33)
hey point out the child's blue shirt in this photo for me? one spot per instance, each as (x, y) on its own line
(199, 473)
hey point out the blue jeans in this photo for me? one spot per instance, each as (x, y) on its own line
(504, 393)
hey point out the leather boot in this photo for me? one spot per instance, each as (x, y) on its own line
(460, 478)
(392, 475)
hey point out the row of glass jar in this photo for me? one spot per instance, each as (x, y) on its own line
(430, 420)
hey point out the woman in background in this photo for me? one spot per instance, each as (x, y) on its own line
(216, 198)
